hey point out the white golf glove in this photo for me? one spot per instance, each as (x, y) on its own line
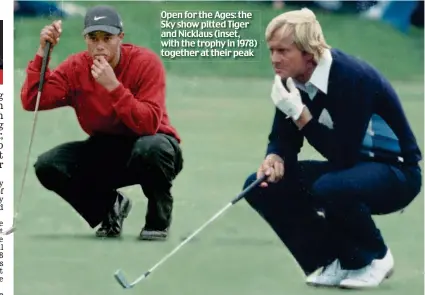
(290, 102)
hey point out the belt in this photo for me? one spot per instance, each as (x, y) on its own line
(387, 159)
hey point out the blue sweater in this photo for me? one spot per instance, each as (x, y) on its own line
(368, 119)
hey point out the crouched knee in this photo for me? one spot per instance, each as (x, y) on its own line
(47, 171)
(158, 152)
(332, 192)
(150, 147)
(153, 149)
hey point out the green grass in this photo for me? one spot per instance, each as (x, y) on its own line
(223, 115)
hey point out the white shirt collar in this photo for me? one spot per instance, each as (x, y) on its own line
(320, 77)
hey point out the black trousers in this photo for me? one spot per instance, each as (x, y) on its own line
(87, 174)
(348, 197)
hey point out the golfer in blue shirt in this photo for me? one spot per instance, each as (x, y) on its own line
(344, 108)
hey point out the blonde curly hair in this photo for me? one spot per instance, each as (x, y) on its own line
(304, 28)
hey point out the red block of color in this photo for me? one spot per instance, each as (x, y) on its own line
(1, 77)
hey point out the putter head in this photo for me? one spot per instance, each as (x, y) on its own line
(9, 231)
(119, 276)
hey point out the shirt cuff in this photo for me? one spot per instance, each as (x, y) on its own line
(271, 149)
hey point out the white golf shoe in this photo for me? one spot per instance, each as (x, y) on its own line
(329, 276)
(371, 275)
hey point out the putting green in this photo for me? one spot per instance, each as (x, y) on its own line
(223, 114)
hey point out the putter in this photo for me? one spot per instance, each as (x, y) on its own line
(119, 275)
(40, 87)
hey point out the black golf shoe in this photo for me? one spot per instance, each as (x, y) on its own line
(153, 234)
(112, 225)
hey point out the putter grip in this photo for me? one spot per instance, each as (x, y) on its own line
(44, 65)
(248, 189)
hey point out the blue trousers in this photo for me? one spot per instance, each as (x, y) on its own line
(348, 198)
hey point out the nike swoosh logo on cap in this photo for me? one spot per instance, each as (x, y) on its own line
(99, 17)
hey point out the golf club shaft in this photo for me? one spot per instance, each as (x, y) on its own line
(37, 103)
(186, 240)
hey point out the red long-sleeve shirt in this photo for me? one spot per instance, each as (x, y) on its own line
(136, 107)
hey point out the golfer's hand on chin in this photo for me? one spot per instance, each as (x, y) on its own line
(104, 74)
(273, 168)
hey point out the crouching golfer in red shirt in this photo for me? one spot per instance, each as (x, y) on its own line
(118, 93)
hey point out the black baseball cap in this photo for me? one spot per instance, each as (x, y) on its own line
(102, 18)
